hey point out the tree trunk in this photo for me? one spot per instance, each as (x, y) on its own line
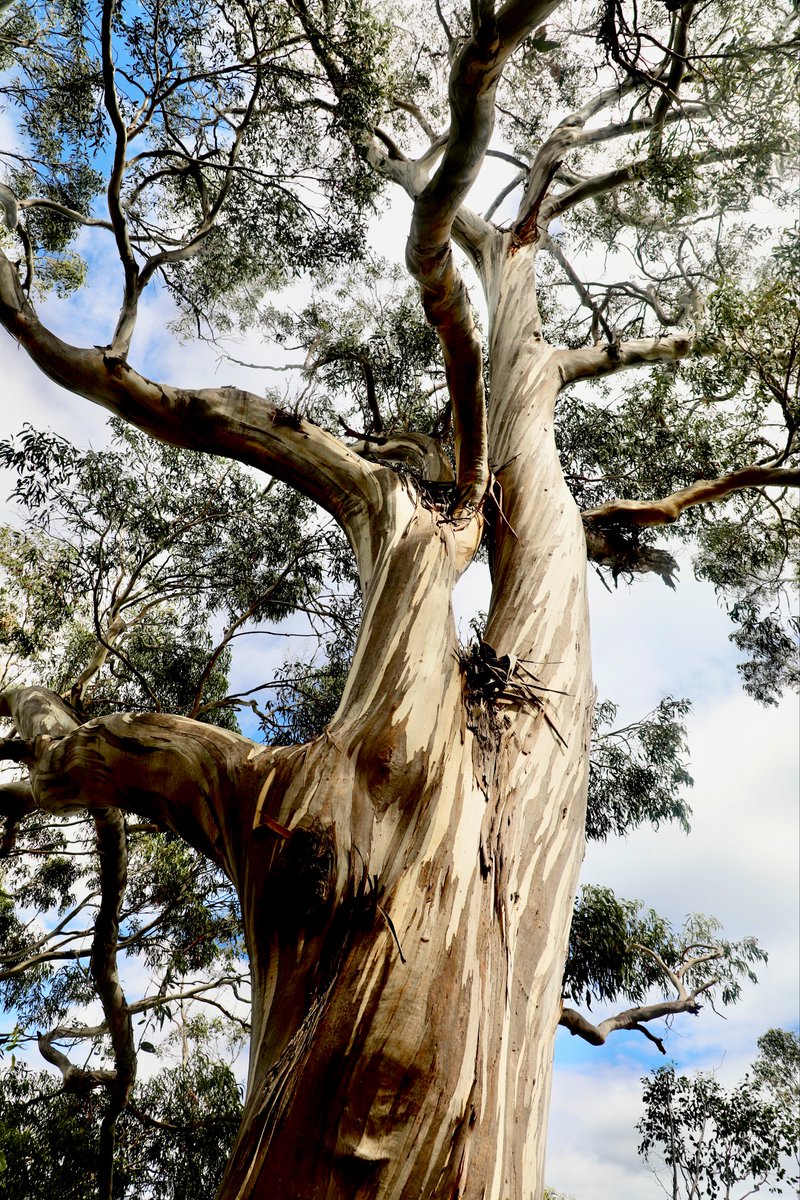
(407, 879)
(408, 939)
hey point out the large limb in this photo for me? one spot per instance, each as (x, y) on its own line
(192, 778)
(473, 80)
(223, 420)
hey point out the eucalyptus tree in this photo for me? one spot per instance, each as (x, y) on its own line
(406, 878)
(705, 1140)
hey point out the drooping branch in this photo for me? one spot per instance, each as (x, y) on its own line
(362, 360)
(224, 421)
(704, 491)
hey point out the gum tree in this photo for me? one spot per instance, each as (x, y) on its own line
(406, 878)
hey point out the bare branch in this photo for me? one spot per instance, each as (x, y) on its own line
(416, 112)
(704, 491)
(631, 1018)
(598, 317)
(121, 340)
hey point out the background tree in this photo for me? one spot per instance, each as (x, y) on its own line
(172, 1141)
(406, 878)
(710, 1140)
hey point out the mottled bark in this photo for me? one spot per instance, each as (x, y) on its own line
(407, 937)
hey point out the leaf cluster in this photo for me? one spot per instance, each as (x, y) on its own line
(636, 774)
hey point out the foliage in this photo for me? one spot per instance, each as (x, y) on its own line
(137, 552)
(635, 773)
(777, 1067)
(710, 1139)
(113, 592)
(226, 86)
(172, 1142)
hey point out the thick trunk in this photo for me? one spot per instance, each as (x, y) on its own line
(406, 1011)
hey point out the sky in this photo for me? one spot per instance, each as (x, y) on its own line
(740, 862)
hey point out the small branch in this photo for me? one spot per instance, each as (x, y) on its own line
(679, 42)
(416, 112)
(598, 317)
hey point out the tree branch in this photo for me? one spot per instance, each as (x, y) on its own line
(631, 1018)
(592, 362)
(704, 491)
(224, 421)
(120, 343)
(474, 76)
(113, 853)
(417, 449)
(191, 777)
(634, 172)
